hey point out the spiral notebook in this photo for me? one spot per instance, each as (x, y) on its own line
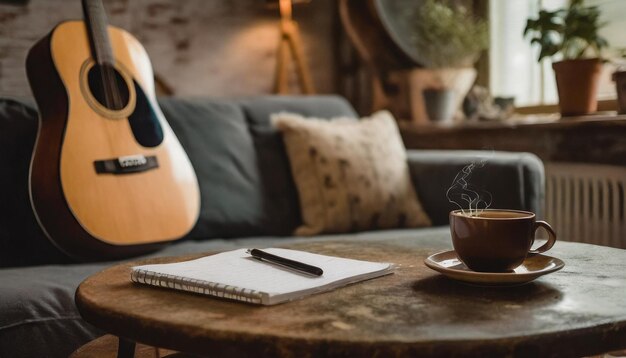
(238, 276)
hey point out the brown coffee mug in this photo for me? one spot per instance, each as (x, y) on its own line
(496, 240)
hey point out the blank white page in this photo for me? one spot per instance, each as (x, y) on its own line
(237, 268)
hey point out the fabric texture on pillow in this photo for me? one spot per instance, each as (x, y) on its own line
(350, 175)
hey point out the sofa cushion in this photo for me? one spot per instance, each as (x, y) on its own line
(22, 242)
(280, 203)
(216, 138)
(351, 175)
(259, 109)
(38, 303)
(514, 180)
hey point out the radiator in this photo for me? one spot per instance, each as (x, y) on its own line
(585, 203)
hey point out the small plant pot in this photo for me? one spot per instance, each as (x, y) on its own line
(577, 82)
(620, 85)
(440, 104)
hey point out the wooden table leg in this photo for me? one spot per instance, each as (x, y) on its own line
(125, 348)
(108, 346)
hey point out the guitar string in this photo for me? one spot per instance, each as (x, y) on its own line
(108, 77)
(113, 87)
(96, 11)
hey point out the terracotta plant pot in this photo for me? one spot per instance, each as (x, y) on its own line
(620, 85)
(577, 83)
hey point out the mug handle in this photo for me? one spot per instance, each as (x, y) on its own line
(551, 238)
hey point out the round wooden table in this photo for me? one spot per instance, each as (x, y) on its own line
(580, 310)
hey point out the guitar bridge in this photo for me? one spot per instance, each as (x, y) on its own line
(126, 165)
(132, 161)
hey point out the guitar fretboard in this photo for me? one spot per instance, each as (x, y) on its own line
(96, 20)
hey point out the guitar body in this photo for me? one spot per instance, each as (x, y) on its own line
(105, 182)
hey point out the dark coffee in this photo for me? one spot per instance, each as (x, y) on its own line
(495, 214)
(496, 240)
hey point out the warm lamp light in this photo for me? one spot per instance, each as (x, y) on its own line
(285, 9)
(290, 48)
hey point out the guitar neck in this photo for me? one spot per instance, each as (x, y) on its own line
(96, 20)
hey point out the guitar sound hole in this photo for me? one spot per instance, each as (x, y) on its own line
(108, 87)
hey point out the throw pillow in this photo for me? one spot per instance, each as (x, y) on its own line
(350, 175)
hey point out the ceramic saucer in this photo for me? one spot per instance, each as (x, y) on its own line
(448, 263)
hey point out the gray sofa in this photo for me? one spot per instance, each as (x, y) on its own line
(248, 199)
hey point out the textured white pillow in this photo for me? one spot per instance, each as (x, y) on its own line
(351, 175)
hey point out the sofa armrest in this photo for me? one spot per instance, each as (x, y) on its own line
(515, 180)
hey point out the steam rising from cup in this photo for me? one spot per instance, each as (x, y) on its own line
(471, 200)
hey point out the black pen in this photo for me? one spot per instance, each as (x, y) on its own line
(295, 265)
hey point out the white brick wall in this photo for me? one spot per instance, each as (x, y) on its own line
(199, 47)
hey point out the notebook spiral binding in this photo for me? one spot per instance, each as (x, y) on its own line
(196, 286)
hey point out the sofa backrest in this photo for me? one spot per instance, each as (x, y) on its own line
(242, 169)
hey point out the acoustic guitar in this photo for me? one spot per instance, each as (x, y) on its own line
(108, 177)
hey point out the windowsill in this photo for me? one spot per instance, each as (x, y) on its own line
(526, 117)
(603, 106)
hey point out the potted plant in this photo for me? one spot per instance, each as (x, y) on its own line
(449, 40)
(570, 35)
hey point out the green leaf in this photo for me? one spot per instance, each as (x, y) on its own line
(570, 31)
